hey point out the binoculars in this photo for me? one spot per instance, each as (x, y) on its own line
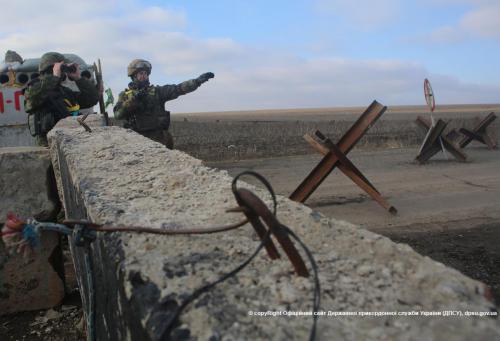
(68, 68)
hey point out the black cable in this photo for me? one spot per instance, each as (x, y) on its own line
(264, 182)
(316, 299)
(233, 272)
(174, 319)
(209, 286)
(317, 288)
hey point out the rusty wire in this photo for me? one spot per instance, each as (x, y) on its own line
(266, 239)
(142, 229)
(255, 210)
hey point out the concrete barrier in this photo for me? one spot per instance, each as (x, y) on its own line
(27, 187)
(16, 135)
(116, 176)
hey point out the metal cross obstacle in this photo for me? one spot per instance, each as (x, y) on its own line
(336, 156)
(479, 133)
(435, 141)
(260, 211)
(81, 121)
(430, 99)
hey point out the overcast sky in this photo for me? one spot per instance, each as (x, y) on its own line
(277, 54)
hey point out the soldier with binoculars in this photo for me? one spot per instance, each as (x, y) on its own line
(47, 100)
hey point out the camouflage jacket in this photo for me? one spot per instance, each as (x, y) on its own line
(46, 95)
(144, 109)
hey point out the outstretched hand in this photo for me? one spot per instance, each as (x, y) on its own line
(205, 77)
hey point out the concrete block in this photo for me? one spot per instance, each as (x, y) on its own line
(116, 176)
(26, 182)
(31, 283)
(27, 187)
(15, 136)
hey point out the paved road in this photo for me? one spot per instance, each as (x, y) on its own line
(442, 191)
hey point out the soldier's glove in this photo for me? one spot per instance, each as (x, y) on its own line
(205, 77)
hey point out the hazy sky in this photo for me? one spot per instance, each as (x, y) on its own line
(277, 54)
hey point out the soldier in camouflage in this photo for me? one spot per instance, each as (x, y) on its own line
(48, 101)
(143, 105)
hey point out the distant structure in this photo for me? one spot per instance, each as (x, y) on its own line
(15, 73)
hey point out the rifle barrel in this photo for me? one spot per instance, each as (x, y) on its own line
(102, 108)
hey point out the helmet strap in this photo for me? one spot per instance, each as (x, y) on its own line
(135, 84)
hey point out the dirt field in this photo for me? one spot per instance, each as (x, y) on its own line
(63, 323)
(470, 248)
(447, 210)
(319, 114)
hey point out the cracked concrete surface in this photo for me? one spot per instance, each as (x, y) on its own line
(117, 176)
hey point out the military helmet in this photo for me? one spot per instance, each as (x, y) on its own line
(138, 65)
(49, 59)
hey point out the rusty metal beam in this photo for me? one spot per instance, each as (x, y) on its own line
(260, 229)
(348, 168)
(346, 143)
(320, 148)
(432, 145)
(361, 126)
(469, 136)
(81, 120)
(248, 199)
(347, 163)
(479, 133)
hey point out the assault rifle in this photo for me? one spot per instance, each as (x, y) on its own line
(100, 86)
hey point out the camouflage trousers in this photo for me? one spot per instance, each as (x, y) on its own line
(162, 136)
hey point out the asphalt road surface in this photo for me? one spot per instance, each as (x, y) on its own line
(441, 190)
(447, 210)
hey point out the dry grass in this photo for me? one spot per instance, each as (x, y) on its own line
(337, 112)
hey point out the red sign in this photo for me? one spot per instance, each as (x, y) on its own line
(12, 106)
(7, 101)
(429, 95)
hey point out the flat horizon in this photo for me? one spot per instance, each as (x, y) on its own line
(445, 108)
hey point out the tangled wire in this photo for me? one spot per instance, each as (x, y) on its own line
(24, 238)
